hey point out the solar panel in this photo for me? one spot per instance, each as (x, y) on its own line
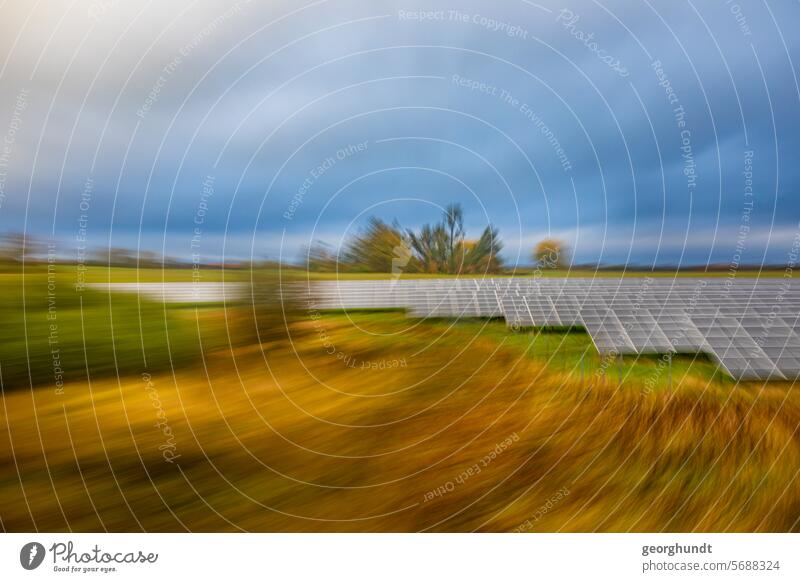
(750, 327)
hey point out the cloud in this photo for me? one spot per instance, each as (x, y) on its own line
(541, 134)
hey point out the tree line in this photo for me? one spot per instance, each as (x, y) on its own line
(438, 248)
(441, 248)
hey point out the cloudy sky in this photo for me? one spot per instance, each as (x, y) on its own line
(643, 132)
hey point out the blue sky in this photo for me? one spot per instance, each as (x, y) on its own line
(639, 132)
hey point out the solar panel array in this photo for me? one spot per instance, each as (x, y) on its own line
(171, 292)
(749, 326)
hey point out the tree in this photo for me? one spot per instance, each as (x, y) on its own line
(550, 253)
(375, 248)
(430, 248)
(320, 257)
(454, 221)
(378, 248)
(482, 256)
(16, 247)
(442, 248)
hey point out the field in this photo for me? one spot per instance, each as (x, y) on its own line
(374, 422)
(102, 274)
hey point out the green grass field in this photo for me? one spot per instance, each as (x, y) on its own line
(101, 274)
(51, 333)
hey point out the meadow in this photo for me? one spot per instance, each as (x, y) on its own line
(374, 422)
(104, 274)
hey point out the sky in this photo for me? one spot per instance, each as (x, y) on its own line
(641, 133)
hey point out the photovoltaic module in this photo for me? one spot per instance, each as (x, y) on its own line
(749, 326)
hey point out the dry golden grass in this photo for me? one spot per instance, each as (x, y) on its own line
(292, 439)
